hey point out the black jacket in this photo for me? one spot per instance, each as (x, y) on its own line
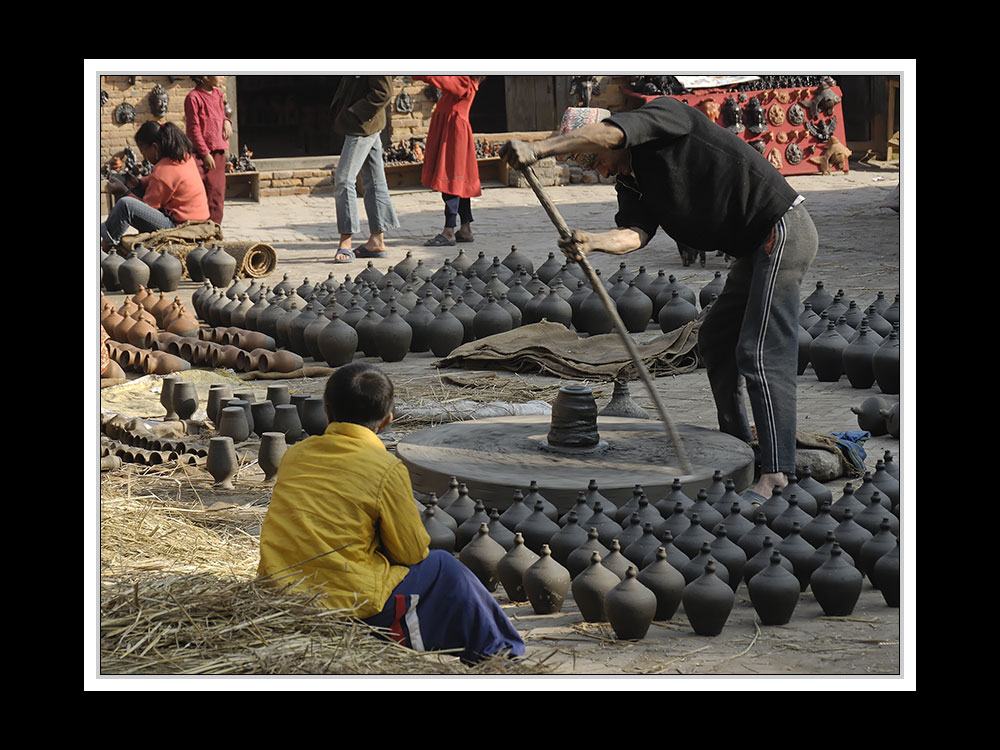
(359, 106)
(706, 187)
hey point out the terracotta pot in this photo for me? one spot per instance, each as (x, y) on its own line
(162, 363)
(279, 361)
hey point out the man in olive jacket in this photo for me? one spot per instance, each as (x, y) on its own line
(359, 111)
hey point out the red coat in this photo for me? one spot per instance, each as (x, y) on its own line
(450, 164)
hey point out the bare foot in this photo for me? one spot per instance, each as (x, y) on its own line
(767, 482)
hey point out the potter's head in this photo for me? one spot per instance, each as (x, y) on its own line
(361, 394)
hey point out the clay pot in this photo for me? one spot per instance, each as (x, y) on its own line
(314, 419)
(792, 514)
(851, 535)
(836, 585)
(269, 455)
(167, 395)
(886, 366)
(762, 558)
(877, 510)
(233, 423)
(441, 536)
(892, 417)
(630, 607)
(165, 272)
(288, 422)
(511, 567)
(708, 602)
(162, 363)
(881, 542)
(482, 555)
(751, 541)
(491, 319)
(666, 583)
(535, 496)
(870, 415)
(579, 558)
(729, 554)
(857, 360)
(221, 462)
(590, 587)
(462, 507)
(217, 393)
(675, 313)
(469, 528)
(109, 271)
(444, 333)
(820, 299)
(645, 545)
(634, 308)
(500, 533)
(537, 528)
(279, 361)
(337, 342)
(885, 576)
(798, 551)
(218, 266)
(693, 537)
(516, 512)
(676, 495)
(555, 309)
(567, 539)
(887, 484)
(774, 592)
(695, 567)
(546, 583)
(816, 529)
(132, 274)
(826, 352)
(592, 317)
(193, 262)
(185, 399)
(847, 501)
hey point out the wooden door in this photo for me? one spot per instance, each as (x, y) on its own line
(535, 102)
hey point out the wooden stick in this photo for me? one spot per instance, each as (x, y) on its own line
(564, 231)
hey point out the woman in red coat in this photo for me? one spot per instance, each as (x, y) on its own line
(450, 165)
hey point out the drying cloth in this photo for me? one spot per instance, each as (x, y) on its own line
(553, 349)
(850, 444)
(188, 233)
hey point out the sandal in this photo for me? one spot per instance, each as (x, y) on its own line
(363, 252)
(754, 498)
(439, 241)
(344, 252)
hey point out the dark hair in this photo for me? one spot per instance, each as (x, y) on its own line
(173, 142)
(358, 393)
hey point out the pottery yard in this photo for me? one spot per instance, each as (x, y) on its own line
(525, 415)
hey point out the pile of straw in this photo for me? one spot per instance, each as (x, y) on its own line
(179, 596)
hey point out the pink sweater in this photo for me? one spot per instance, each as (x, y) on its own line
(204, 114)
(176, 189)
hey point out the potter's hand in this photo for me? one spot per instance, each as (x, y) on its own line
(577, 245)
(208, 162)
(518, 154)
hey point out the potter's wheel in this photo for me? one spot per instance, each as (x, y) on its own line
(493, 457)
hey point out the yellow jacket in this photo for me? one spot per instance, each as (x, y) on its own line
(343, 489)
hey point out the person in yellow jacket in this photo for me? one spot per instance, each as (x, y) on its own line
(343, 518)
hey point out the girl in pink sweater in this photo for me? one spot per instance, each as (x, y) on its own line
(209, 130)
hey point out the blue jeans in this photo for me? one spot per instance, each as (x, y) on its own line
(751, 331)
(363, 155)
(442, 605)
(129, 211)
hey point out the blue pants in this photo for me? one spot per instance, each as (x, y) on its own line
(129, 211)
(363, 155)
(456, 208)
(751, 331)
(442, 605)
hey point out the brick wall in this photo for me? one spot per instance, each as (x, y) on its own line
(116, 137)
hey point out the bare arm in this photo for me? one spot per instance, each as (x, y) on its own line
(615, 241)
(597, 136)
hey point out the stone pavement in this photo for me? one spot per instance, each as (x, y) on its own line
(859, 253)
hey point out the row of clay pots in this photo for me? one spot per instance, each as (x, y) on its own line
(694, 573)
(134, 433)
(840, 338)
(142, 267)
(147, 361)
(879, 417)
(145, 457)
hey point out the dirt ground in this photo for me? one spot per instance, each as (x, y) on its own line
(860, 252)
